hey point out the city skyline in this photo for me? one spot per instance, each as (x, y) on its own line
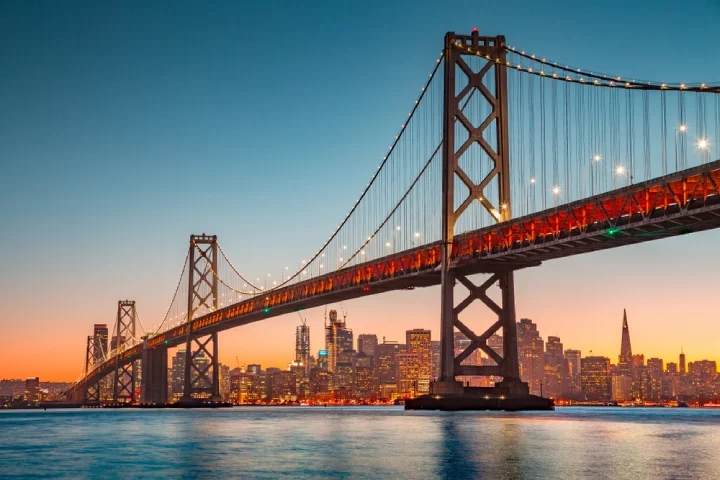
(288, 358)
(277, 356)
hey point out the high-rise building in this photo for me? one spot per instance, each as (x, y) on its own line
(435, 349)
(655, 372)
(572, 384)
(682, 362)
(367, 343)
(621, 388)
(320, 381)
(625, 359)
(418, 342)
(531, 353)
(270, 374)
(596, 378)
(625, 347)
(407, 374)
(702, 376)
(302, 346)
(224, 378)
(178, 375)
(100, 337)
(344, 375)
(387, 362)
(32, 390)
(365, 385)
(338, 338)
(322, 360)
(554, 361)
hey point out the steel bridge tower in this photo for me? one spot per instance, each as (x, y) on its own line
(125, 373)
(491, 83)
(92, 390)
(201, 361)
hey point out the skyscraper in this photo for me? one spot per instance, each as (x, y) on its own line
(596, 378)
(302, 346)
(178, 375)
(418, 342)
(435, 349)
(407, 376)
(554, 362)
(387, 362)
(625, 348)
(367, 343)
(338, 338)
(682, 362)
(100, 336)
(224, 377)
(531, 352)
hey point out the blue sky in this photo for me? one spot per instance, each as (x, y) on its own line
(126, 127)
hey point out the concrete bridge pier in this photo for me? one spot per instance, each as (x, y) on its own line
(154, 385)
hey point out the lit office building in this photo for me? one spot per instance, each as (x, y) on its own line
(531, 353)
(418, 342)
(367, 343)
(32, 390)
(407, 376)
(596, 378)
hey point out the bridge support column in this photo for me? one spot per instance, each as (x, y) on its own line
(202, 370)
(154, 385)
(490, 84)
(92, 390)
(124, 374)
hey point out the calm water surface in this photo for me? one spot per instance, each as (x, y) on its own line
(357, 442)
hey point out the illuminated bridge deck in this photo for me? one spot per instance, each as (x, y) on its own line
(680, 203)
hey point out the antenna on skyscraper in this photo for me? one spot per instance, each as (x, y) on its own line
(302, 318)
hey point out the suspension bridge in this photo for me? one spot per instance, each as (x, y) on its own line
(506, 160)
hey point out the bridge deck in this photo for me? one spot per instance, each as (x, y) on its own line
(680, 203)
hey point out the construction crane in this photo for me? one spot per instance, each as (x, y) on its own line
(344, 313)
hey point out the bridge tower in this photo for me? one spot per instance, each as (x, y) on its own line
(491, 83)
(124, 382)
(201, 361)
(92, 390)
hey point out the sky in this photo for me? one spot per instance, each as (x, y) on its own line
(126, 127)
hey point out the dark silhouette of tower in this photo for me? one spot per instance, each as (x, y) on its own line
(682, 362)
(625, 348)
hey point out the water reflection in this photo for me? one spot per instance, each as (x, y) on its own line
(368, 443)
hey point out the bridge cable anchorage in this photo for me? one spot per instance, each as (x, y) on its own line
(381, 168)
